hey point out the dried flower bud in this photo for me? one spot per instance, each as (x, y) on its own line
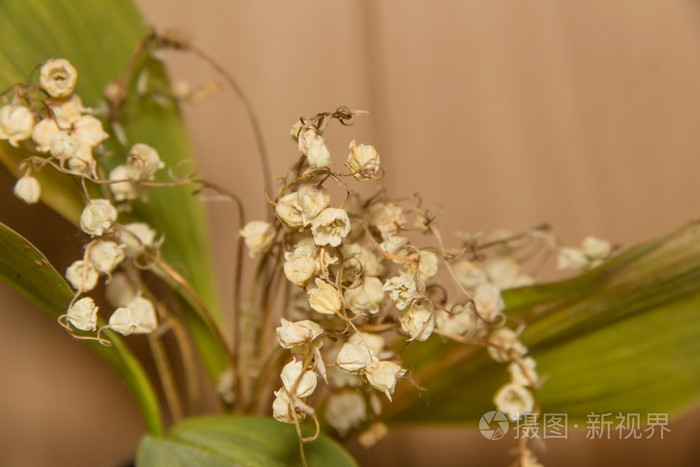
(354, 356)
(314, 148)
(259, 236)
(296, 383)
(138, 317)
(363, 161)
(122, 190)
(300, 265)
(82, 276)
(514, 400)
(311, 200)
(293, 334)
(402, 290)
(288, 212)
(460, 320)
(283, 409)
(105, 256)
(417, 321)
(138, 235)
(345, 410)
(27, 189)
(488, 301)
(57, 77)
(371, 436)
(144, 162)
(82, 161)
(522, 371)
(366, 297)
(44, 133)
(83, 314)
(360, 259)
(383, 375)
(63, 146)
(66, 111)
(225, 386)
(388, 218)
(16, 123)
(97, 216)
(119, 290)
(87, 130)
(325, 298)
(595, 248)
(330, 227)
(571, 258)
(504, 345)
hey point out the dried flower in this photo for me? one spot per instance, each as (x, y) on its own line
(83, 314)
(330, 227)
(595, 248)
(143, 162)
(57, 77)
(345, 410)
(122, 190)
(27, 189)
(303, 385)
(363, 161)
(325, 298)
(382, 376)
(354, 356)
(571, 258)
(44, 133)
(458, 321)
(259, 237)
(136, 237)
(417, 321)
(293, 334)
(138, 317)
(283, 409)
(97, 216)
(488, 301)
(105, 256)
(367, 297)
(311, 200)
(300, 265)
(82, 276)
(513, 400)
(16, 123)
(522, 371)
(66, 111)
(504, 345)
(288, 212)
(312, 145)
(402, 290)
(87, 130)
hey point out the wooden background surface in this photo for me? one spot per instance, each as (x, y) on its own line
(507, 113)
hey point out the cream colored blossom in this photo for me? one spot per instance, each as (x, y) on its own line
(28, 189)
(82, 161)
(360, 259)
(226, 384)
(83, 314)
(427, 265)
(310, 201)
(382, 376)
(288, 212)
(325, 298)
(136, 237)
(595, 248)
(523, 372)
(314, 148)
(571, 258)
(66, 111)
(345, 410)
(387, 217)
(97, 216)
(283, 409)
(259, 237)
(82, 276)
(514, 400)
(300, 265)
(119, 290)
(330, 227)
(417, 321)
(458, 321)
(303, 385)
(58, 77)
(143, 162)
(488, 301)
(16, 123)
(402, 290)
(293, 334)
(363, 161)
(504, 345)
(138, 317)
(354, 356)
(122, 190)
(375, 342)
(63, 146)
(105, 256)
(87, 130)
(367, 297)
(371, 436)
(44, 133)
(503, 272)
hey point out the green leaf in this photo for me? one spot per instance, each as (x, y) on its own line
(240, 440)
(26, 270)
(99, 39)
(622, 338)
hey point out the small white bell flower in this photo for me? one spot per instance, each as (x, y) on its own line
(311, 200)
(402, 290)
(97, 216)
(82, 276)
(417, 321)
(383, 375)
(504, 345)
(122, 321)
(325, 298)
(63, 146)
(57, 77)
(66, 111)
(514, 400)
(353, 357)
(523, 372)
(259, 237)
(88, 130)
(138, 235)
(366, 297)
(138, 317)
(283, 409)
(363, 161)
(83, 314)
(469, 274)
(314, 148)
(82, 161)
(571, 258)
(28, 189)
(458, 321)
(503, 272)
(595, 248)
(293, 334)
(44, 133)
(488, 301)
(119, 290)
(330, 227)
(427, 265)
(375, 342)
(345, 410)
(292, 376)
(360, 259)
(387, 217)
(122, 190)
(288, 212)
(105, 256)
(16, 123)
(300, 265)
(144, 162)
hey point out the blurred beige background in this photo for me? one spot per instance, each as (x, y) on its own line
(507, 113)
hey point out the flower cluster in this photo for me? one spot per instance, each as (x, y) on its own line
(67, 137)
(367, 288)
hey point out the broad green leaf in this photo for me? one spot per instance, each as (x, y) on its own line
(237, 440)
(28, 271)
(622, 338)
(99, 38)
